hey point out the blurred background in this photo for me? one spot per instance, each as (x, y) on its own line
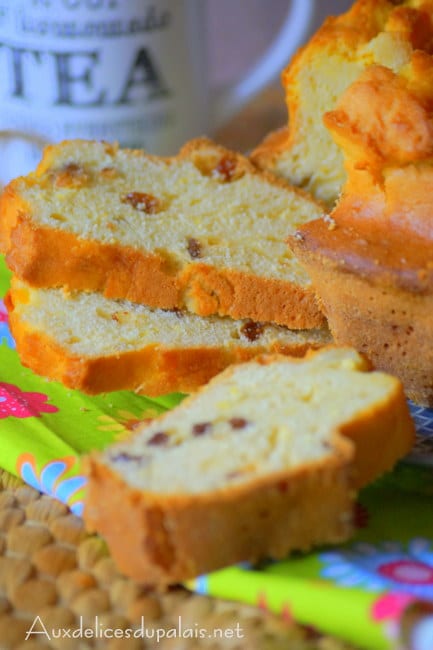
(239, 31)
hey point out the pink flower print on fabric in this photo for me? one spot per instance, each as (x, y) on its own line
(408, 571)
(17, 403)
(3, 313)
(385, 566)
(390, 606)
(5, 334)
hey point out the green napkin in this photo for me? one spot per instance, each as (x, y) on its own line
(46, 428)
(363, 591)
(360, 591)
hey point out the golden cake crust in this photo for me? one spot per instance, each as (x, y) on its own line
(48, 256)
(373, 302)
(371, 260)
(162, 539)
(370, 32)
(154, 369)
(166, 539)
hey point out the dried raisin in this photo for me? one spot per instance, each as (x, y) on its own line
(201, 428)
(194, 248)
(142, 202)
(160, 438)
(238, 423)
(252, 330)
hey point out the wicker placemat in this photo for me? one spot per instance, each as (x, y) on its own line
(51, 568)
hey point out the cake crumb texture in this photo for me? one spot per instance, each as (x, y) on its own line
(265, 459)
(203, 231)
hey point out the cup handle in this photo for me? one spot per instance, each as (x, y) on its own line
(228, 100)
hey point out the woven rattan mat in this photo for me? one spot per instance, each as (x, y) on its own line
(51, 568)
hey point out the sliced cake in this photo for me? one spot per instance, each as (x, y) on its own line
(263, 460)
(203, 231)
(95, 344)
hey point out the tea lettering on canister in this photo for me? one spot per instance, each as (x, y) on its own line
(115, 70)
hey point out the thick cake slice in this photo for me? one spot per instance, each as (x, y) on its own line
(95, 344)
(203, 230)
(263, 460)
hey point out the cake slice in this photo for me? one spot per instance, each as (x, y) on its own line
(264, 460)
(371, 32)
(203, 231)
(96, 345)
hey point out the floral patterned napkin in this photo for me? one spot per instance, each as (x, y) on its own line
(374, 591)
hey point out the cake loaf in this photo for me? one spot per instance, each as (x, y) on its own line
(371, 32)
(96, 345)
(263, 460)
(203, 231)
(371, 259)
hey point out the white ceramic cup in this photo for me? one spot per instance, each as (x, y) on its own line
(135, 71)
